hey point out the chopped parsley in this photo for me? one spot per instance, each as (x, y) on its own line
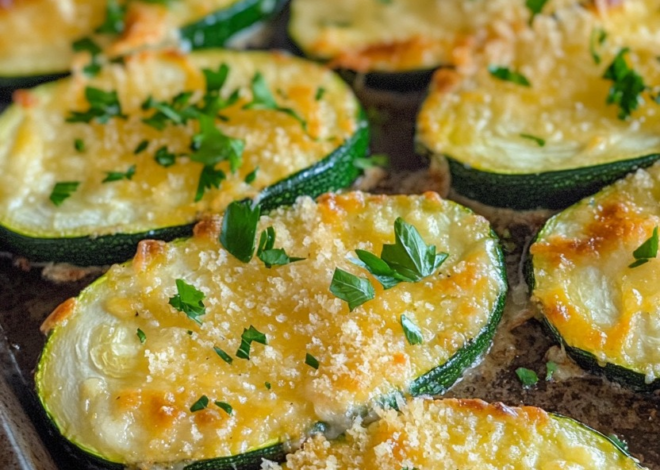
(88, 45)
(141, 336)
(412, 331)
(103, 105)
(79, 145)
(209, 178)
(118, 175)
(216, 80)
(508, 75)
(646, 251)
(540, 142)
(268, 386)
(223, 355)
(62, 191)
(311, 361)
(164, 157)
(114, 18)
(250, 177)
(189, 301)
(262, 98)
(376, 160)
(272, 256)
(177, 112)
(200, 404)
(320, 91)
(627, 85)
(527, 377)
(596, 40)
(535, 7)
(249, 336)
(550, 368)
(351, 289)
(142, 146)
(410, 259)
(226, 407)
(239, 229)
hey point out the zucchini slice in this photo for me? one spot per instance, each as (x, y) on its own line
(603, 310)
(453, 433)
(38, 36)
(535, 128)
(122, 367)
(294, 144)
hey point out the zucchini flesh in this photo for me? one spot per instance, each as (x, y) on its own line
(129, 402)
(45, 47)
(101, 222)
(397, 36)
(453, 433)
(604, 311)
(558, 140)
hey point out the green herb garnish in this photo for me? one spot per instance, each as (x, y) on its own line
(209, 178)
(311, 361)
(527, 377)
(223, 355)
(627, 85)
(550, 368)
(177, 112)
(164, 157)
(114, 18)
(142, 146)
(535, 7)
(412, 331)
(226, 407)
(239, 229)
(103, 105)
(268, 386)
(351, 289)
(250, 177)
(646, 251)
(200, 404)
(320, 91)
(79, 145)
(88, 45)
(118, 175)
(376, 160)
(189, 301)
(508, 75)
(141, 336)
(262, 98)
(272, 256)
(249, 336)
(540, 142)
(596, 40)
(62, 191)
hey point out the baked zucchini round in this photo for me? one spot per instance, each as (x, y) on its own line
(90, 166)
(454, 434)
(39, 37)
(596, 287)
(555, 113)
(187, 354)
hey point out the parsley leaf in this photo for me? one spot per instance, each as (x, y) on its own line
(248, 337)
(118, 175)
(268, 386)
(627, 85)
(527, 377)
(320, 91)
(268, 254)
(646, 251)
(211, 146)
(176, 112)
(189, 301)
(79, 145)
(311, 361)
(223, 355)
(351, 289)
(216, 80)
(508, 75)
(141, 336)
(62, 191)
(142, 146)
(226, 407)
(411, 330)
(164, 157)
(597, 38)
(87, 44)
(250, 177)
(103, 105)
(239, 229)
(262, 98)
(209, 178)
(200, 404)
(550, 368)
(114, 18)
(540, 142)
(535, 7)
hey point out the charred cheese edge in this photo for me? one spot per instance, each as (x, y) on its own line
(130, 402)
(479, 122)
(600, 307)
(456, 434)
(37, 35)
(37, 145)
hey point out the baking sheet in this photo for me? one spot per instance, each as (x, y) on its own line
(26, 299)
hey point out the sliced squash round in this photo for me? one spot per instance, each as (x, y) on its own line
(38, 36)
(554, 113)
(597, 292)
(87, 192)
(450, 434)
(131, 375)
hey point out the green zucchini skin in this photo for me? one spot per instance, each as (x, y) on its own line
(547, 190)
(439, 380)
(334, 172)
(248, 461)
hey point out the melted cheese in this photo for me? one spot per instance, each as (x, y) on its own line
(130, 402)
(478, 120)
(583, 282)
(37, 34)
(37, 145)
(462, 434)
